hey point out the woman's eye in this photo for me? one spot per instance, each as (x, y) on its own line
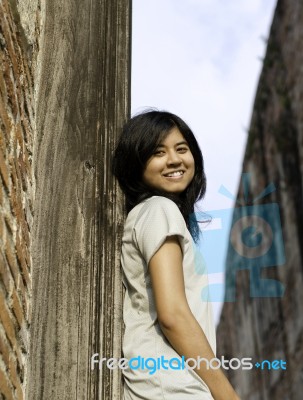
(158, 152)
(182, 149)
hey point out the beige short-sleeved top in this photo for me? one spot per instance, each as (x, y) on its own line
(146, 228)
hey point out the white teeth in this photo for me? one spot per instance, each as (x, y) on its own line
(177, 173)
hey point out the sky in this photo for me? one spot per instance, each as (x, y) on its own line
(201, 59)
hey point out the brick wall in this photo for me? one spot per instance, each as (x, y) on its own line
(16, 200)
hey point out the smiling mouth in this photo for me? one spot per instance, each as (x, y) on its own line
(174, 174)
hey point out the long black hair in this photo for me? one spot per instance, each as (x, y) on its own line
(138, 141)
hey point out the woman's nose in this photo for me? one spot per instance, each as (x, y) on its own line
(173, 158)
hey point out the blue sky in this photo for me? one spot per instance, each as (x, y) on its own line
(201, 59)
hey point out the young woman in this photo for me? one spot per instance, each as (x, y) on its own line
(159, 167)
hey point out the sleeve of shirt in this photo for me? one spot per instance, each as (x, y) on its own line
(158, 219)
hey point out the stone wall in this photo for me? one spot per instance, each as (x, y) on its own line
(272, 327)
(18, 47)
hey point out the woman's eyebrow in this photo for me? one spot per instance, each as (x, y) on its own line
(183, 142)
(177, 144)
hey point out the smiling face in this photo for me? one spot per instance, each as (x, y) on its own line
(172, 167)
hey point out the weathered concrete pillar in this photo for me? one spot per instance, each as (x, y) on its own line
(83, 101)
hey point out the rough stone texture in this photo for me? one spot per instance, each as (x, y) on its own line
(272, 328)
(29, 14)
(16, 196)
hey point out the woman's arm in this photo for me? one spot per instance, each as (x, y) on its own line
(176, 320)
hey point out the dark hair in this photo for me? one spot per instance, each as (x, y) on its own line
(139, 139)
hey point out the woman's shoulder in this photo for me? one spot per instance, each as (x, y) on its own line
(151, 205)
(158, 218)
(155, 203)
(156, 209)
